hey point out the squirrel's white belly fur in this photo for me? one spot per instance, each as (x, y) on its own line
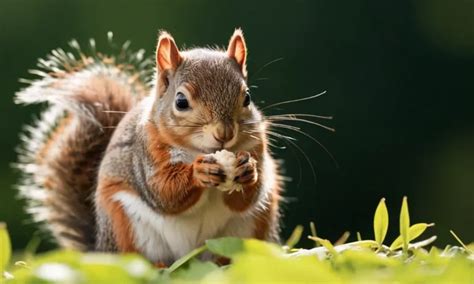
(168, 237)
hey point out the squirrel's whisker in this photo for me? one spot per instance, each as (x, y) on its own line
(292, 143)
(250, 134)
(255, 137)
(291, 116)
(265, 66)
(294, 101)
(291, 127)
(272, 141)
(303, 120)
(298, 161)
(306, 158)
(300, 115)
(298, 130)
(250, 122)
(279, 135)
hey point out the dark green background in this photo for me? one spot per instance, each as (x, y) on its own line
(398, 76)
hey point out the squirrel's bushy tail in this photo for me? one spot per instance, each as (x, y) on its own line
(86, 97)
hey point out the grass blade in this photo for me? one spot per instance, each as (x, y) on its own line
(5, 248)
(380, 222)
(312, 227)
(404, 224)
(343, 239)
(295, 237)
(459, 241)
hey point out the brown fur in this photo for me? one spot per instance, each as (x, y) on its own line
(60, 129)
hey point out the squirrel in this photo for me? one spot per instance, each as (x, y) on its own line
(121, 161)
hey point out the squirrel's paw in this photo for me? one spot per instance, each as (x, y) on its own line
(207, 172)
(246, 171)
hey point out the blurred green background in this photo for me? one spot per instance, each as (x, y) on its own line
(398, 76)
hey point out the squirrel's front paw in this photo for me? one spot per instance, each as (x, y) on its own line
(207, 172)
(246, 171)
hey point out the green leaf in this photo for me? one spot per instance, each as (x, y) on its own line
(404, 224)
(227, 247)
(196, 270)
(295, 236)
(5, 248)
(380, 222)
(414, 232)
(178, 263)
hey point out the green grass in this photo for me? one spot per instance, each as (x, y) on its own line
(253, 261)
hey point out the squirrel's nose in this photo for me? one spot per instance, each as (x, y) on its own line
(224, 132)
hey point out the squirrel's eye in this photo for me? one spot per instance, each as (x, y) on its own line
(247, 99)
(181, 102)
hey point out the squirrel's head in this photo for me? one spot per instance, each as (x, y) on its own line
(202, 98)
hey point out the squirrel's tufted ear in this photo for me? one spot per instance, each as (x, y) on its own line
(237, 49)
(167, 53)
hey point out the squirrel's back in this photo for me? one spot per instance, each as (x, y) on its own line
(86, 96)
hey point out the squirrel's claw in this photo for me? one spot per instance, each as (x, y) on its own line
(246, 171)
(207, 172)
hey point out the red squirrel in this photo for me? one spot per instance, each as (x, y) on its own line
(119, 165)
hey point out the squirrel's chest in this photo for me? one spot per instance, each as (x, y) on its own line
(167, 237)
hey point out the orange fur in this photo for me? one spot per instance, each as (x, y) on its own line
(121, 226)
(265, 218)
(173, 184)
(262, 224)
(160, 265)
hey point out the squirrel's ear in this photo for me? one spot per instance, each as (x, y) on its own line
(167, 53)
(237, 49)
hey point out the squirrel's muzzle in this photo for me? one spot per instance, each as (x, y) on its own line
(224, 132)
